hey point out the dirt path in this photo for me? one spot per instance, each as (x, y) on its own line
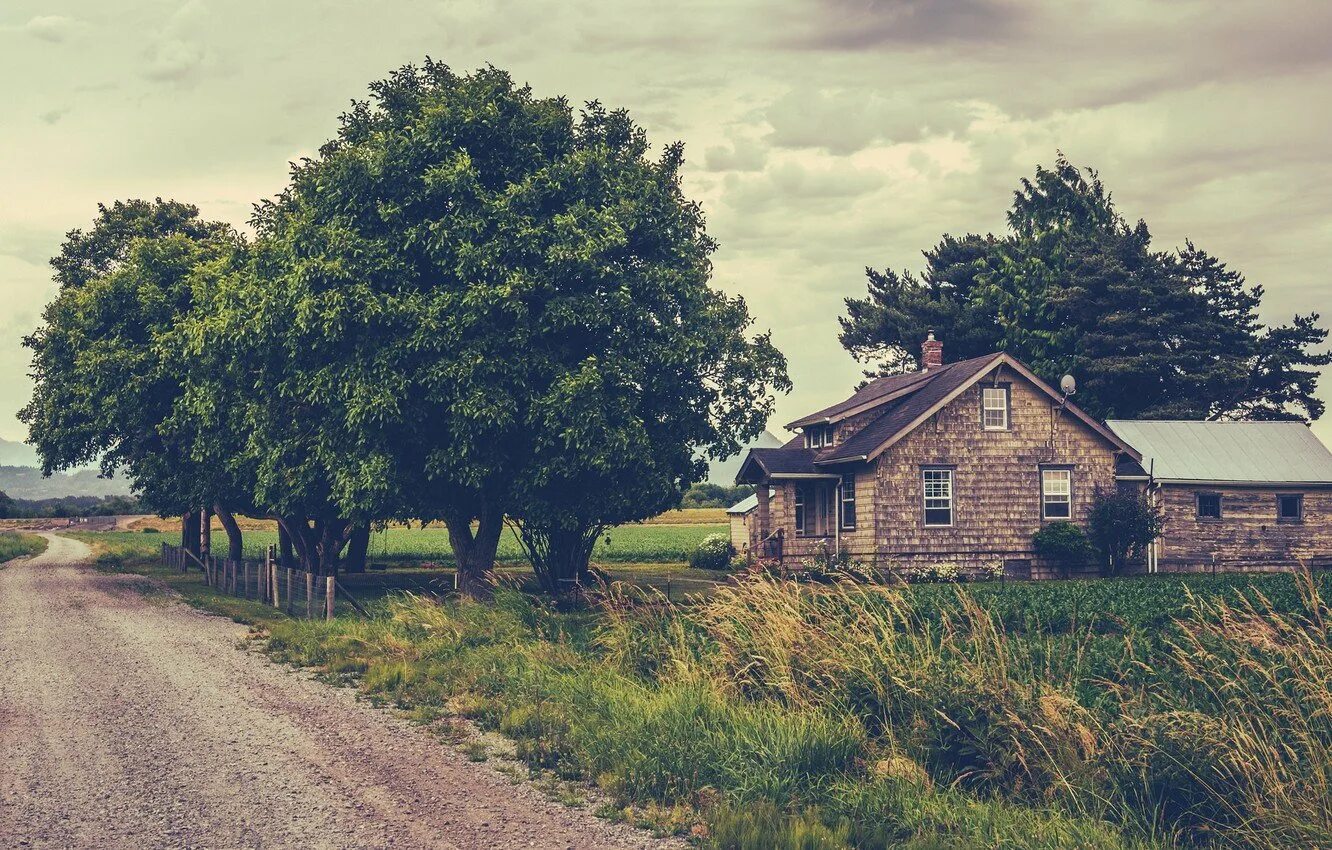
(133, 721)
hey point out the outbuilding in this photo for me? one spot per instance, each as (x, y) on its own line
(1235, 495)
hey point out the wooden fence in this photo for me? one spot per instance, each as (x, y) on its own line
(295, 592)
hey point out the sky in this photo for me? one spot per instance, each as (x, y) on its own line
(821, 136)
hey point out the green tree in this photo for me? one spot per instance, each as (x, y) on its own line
(8, 507)
(1120, 526)
(1075, 287)
(105, 383)
(474, 304)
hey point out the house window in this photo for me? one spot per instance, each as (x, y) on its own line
(818, 436)
(1290, 507)
(938, 495)
(800, 511)
(1056, 493)
(994, 408)
(849, 502)
(1209, 506)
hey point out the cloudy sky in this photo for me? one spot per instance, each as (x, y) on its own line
(822, 135)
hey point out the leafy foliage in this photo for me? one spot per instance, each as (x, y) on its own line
(1064, 543)
(714, 553)
(1076, 288)
(1121, 526)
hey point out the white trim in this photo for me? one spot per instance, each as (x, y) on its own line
(924, 500)
(986, 409)
(1067, 497)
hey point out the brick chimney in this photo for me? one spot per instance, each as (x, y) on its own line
(931, 353)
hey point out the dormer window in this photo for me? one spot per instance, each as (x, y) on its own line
(818, 436)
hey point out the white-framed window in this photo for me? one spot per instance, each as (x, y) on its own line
(800, 511)
(848, 499)
(818, 436)
(994, 408)
(937, 492)
(1056, 493)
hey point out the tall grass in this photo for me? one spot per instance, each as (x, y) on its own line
(776, 715)
(15, 544)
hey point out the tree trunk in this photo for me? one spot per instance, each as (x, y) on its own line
(235, 549)
(358, 545)
(286, 555)
(319, 542)
(205, 531)
(189, 532)
(475, 553)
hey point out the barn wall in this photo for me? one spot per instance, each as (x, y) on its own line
(1248, 535)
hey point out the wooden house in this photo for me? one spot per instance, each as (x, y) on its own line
(959, 463)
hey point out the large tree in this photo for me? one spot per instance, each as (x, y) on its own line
(106, 381)
(1075, 287)
(489, 306)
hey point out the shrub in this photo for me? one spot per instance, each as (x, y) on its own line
(1064, 544)
(1121, 526)
(150, 530)
(714, 553)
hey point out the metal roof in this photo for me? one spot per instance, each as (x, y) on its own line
(1228, 452)
(745, 505)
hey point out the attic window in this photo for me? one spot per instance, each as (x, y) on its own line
(994, 408)
(818, 436)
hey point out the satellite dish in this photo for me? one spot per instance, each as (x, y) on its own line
(1067, 385)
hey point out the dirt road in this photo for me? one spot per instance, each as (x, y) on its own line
(130, 720)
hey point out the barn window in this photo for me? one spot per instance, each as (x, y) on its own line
(1290, 507)
(1209, 506)
(849, 502)
(800, 510)
(938, 496)
(1056, 493)
(994, 408)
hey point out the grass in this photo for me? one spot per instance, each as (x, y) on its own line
(15, 544)
(1130, 713)
(650, 542)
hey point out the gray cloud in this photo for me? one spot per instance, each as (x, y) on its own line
(823, 135)
(869, 24)
(52, 28)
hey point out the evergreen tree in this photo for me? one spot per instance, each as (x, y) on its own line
(1074, 287)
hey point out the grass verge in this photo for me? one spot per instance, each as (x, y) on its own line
(16, 544)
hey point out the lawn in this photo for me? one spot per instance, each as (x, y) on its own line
(667, 539)
(1159, 711)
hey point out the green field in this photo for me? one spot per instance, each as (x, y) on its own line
(628, 544)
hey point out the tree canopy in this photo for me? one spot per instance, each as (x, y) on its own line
(1074, 287)
(474, 304)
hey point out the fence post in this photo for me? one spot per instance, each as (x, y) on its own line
(309, 596)
(329, 596)
(289, 572)
(273, 579)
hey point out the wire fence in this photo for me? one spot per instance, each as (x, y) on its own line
(296, 592)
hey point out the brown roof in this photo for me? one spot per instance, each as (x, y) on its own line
(900, 414)
(902, 403)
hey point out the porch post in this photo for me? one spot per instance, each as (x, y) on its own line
(764, 518)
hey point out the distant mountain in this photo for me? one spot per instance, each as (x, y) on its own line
(17, 454)
(26, 482)
(723, 472)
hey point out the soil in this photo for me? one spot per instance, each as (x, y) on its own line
(128, 719)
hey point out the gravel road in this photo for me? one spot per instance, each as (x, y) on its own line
(130, 720)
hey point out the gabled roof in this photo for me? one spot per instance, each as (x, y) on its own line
(902, 403)
(898, 415)
(1271, 453)
(747, 504)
